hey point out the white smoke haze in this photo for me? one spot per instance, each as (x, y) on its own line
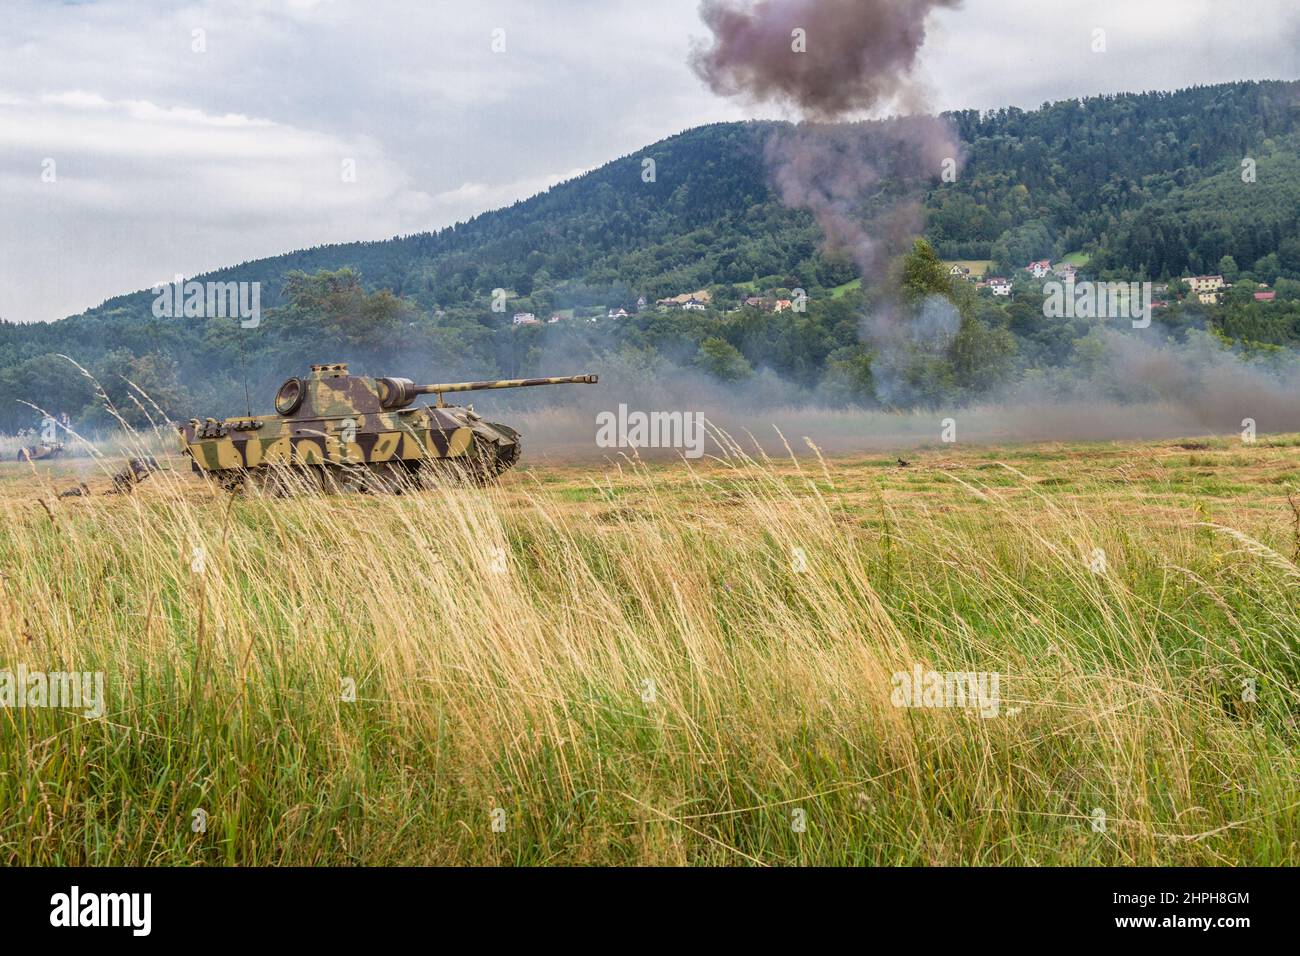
(906, 348)
(1144, 388)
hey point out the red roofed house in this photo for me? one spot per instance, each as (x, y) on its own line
(1040, 268)
(1265, 296)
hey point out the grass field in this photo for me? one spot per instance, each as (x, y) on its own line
(663, 664)
(978, 267)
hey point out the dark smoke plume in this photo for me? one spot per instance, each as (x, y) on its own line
(862, 181)
(829, 59)
(859, 54)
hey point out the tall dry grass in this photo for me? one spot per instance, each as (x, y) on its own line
(686, 674)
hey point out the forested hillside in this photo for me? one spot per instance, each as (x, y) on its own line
(1133, 186)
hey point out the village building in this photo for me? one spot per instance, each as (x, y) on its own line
(1265, 296)
(526, 318)
(1202, 284)
(1039, 269)
(1000, 286)
(680, 301)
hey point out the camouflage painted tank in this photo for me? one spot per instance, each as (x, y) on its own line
(336, 431)
(45, 449)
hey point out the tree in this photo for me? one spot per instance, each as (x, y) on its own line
(331, 312)
(848, 379)
(50, 382)
(144, 390)
(723, 360)
(923, 274)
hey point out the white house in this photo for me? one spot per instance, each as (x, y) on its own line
(525, 318)
(617, 314)
(694, 305)
(1040, 268)
(1000, 286)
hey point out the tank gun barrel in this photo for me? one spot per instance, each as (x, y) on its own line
(504, 383)
(399, 392)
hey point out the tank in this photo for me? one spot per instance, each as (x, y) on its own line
(333, 431)
(45, 449)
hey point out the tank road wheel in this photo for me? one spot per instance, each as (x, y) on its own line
(508, 456)
(232, 481)
(383, 478)
(484, 466)
(279, 481)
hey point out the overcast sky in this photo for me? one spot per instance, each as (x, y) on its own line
(177, 152)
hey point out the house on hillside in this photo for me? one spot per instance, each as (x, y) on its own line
(617, 314)
(1000, 286)
(959, 272)
(693, 305)
(641, 303)
(1265, 296)
(1200, 284)
(1066, 271)
(782, 304)
(680, 301)
(1039, 269)
(759, 302)
(555, 318)
(526, 318)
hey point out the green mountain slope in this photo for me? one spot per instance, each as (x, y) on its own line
(1148, 184)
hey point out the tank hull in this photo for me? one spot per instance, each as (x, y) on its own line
(375, 451)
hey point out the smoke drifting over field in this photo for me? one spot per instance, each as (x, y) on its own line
(1144, 387)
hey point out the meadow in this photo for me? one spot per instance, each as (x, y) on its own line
(676, 663)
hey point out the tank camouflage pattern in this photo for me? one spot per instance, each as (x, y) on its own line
(335, 431)
(46, 449)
